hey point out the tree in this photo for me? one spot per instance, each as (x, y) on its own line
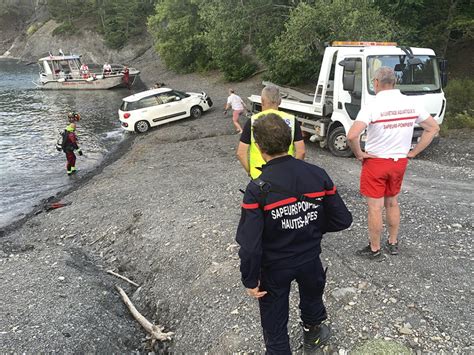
(178, 34)
(434, 24)
(296, 53)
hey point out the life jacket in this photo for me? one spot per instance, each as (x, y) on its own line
(61, 143)
(255, 157)
(69, 145)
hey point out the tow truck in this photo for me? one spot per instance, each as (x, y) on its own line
(345, 83)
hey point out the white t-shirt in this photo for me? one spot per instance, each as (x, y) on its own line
(390, 122)
(235, 101)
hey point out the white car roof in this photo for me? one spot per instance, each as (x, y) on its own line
(141, 95)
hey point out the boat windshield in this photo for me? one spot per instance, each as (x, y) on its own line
(411, 79)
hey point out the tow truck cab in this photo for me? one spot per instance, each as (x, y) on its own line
(346, 83)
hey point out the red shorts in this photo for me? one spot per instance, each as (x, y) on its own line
(382, 177)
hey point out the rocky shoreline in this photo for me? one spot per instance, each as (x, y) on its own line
(164, 215)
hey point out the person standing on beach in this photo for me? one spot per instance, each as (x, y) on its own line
(237, 104)
(389, 121)
(284, 215)
(69, 146)
(248, 153)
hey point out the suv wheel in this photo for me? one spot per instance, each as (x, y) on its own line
(142, 126)
(196, 112)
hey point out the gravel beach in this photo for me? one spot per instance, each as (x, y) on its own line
(164, 214)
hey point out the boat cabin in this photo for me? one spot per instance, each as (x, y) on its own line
(60, 67)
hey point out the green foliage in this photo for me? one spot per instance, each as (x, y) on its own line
(459, 94)
(68, 10)
(460, 110)
(442, 22)
(460, 120)
(297, 52)
(4, 10)
(225, 40)
(33, 28)
(118, 20)
(460, 107)
(122, 22)
(178, 34)
(64, 29)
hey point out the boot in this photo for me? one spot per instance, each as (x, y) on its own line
(315, 336)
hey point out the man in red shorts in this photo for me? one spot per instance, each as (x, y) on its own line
(390, 121)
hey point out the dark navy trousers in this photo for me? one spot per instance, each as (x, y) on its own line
(274, 306)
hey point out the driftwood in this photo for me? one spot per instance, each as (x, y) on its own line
(155, 331)
(123, 278)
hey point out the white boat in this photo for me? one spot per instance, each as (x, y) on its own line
(68, 72)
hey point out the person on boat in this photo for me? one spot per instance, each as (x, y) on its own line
(126, 77)
(84, 69)
(69, 146)
(107, 69)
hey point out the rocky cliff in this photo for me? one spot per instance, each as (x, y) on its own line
(26, 33)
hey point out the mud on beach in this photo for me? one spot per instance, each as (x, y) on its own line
(164, 215)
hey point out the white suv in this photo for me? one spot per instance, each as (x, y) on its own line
(155, 107)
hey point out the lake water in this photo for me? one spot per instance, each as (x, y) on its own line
(31, 169)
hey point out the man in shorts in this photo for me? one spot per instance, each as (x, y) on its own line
(390, 121)
(237, 104)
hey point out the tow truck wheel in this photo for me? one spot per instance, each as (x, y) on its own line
(337, 143)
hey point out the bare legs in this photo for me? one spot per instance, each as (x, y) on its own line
(235, 120)
(393, 218)
(375, 219)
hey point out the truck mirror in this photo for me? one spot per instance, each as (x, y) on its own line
(398, 67)
(348, 82)
(414, 61)
(349, 65)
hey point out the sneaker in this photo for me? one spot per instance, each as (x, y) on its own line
(314, 337)
(392, 248)
(364, 251)
(371, 255)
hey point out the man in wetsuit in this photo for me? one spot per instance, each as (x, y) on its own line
(69, 146)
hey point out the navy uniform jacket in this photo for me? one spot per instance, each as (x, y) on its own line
(277, 230)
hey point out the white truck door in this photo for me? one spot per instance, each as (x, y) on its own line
(350, 96)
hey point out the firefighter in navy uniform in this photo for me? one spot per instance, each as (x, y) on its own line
(285, 213)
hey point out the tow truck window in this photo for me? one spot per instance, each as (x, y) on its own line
(421, 78)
